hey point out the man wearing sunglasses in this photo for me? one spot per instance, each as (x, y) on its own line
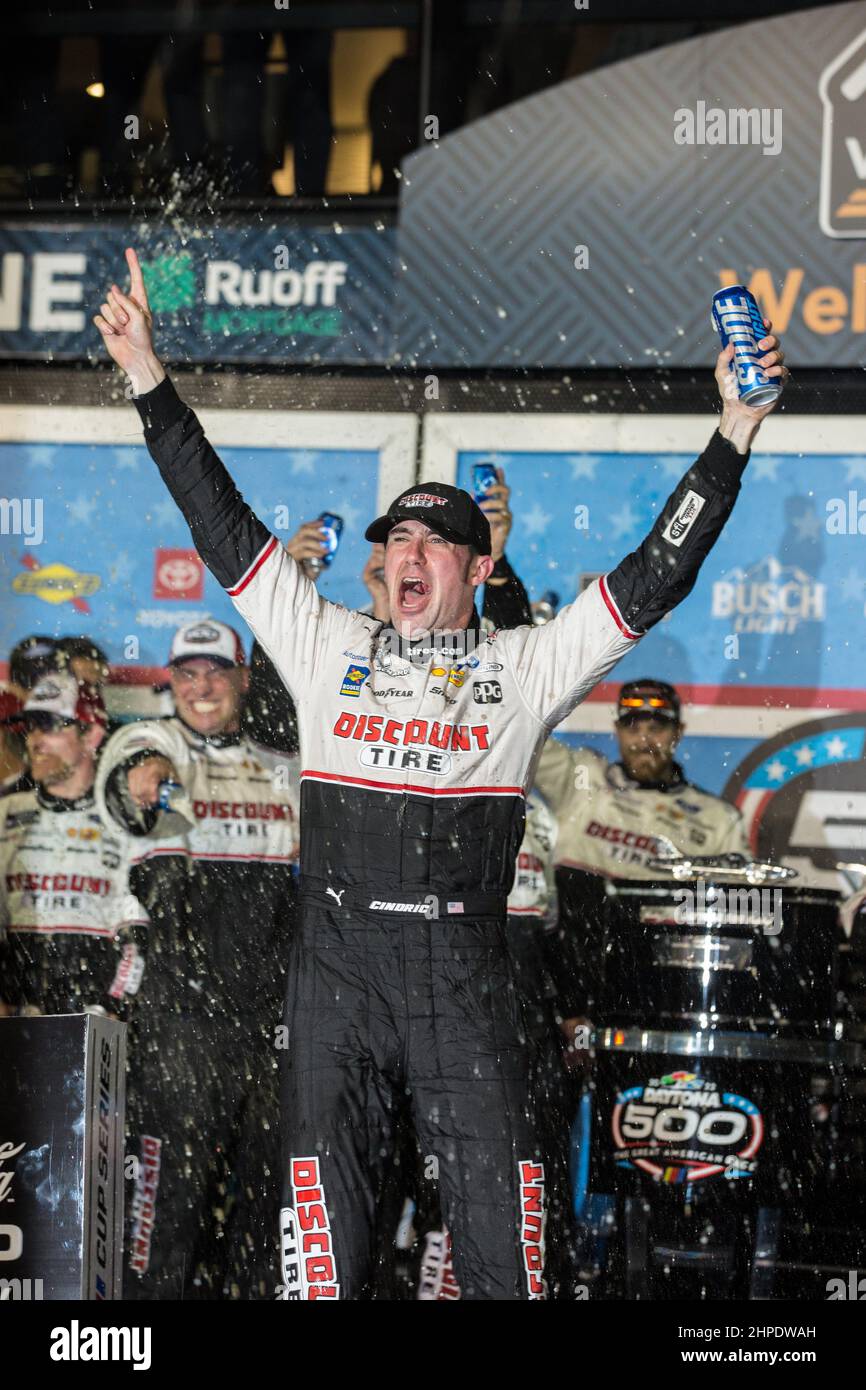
(213, 867)
(71, 933)
(612, 817)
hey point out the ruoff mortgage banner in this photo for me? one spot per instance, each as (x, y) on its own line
(219, 294)
(591, 224)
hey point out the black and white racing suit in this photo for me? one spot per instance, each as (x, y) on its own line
(533, 946)
(216, 876)
(415, 761)
(72, 934)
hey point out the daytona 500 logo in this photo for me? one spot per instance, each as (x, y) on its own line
(681, 1128)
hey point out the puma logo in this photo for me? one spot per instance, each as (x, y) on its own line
(338, 897)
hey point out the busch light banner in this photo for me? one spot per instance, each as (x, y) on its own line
(591, 224)
(767, 651)
(227, 294)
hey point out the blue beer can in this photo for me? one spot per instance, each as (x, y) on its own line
(484, 477)
(737, 319)
(332, 529)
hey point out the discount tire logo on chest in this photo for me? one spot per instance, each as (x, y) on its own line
(683, 1128)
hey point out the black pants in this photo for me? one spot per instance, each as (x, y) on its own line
(203, 1199)
(378, 1009)
(554, 1097)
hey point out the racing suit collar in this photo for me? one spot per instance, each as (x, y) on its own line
(210, 740)
(50, 802)
(429, 645)
(622, 781)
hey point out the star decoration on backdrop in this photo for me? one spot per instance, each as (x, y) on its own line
(765, 469)
(808, 525)
(806, 755)
(536, 522)
(672, 465)
(165, 513)
(304, 461)
(852, 586)
(42, 456)
(82, 509)
(854, 468)
(583, 466)
(623, 521)
(127, 460)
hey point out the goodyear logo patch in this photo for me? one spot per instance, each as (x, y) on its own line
(354, 679)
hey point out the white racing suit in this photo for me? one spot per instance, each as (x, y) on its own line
(72, 934)
(415, 760)
(217, 878)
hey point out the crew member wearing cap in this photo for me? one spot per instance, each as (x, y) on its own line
(612, 817)
(29, 660)
(74, 934)
(214, 869)
(418, 744)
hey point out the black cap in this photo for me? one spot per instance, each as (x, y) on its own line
(30, 659)
(82, 646)
(648, 699)
(449, 511)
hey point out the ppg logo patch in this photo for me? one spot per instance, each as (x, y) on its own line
(486, 692)
(354, 679)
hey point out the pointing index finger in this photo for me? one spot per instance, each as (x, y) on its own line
(136, 279)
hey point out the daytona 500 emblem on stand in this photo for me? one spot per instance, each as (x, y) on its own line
(680, 1128)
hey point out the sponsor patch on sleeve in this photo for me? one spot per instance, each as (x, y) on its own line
(684, 518)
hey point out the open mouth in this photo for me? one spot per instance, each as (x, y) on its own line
(205, 706)
(413, 592)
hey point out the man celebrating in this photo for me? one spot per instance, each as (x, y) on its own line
(213, 867)
(417, 746)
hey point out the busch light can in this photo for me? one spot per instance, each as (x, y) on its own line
(484, 477)
(737, 319)
(332, 530)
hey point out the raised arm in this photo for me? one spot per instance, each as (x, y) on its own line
(265, 583)
(558, 664)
